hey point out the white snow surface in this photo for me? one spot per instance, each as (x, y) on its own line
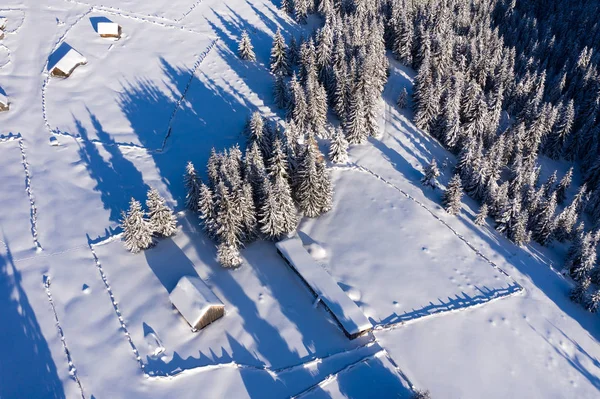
(446, 316)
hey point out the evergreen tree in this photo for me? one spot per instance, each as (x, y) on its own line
(453, 195)
(228, 255)
(544, 221)
(431, 175)
(293, 52)
(247, 209)
(280, 92)
(579, 293)
(161, 218)
(245, 48)
(206, 208)
(314, 187)
(137, 233)
(228, 218)
(563, 186)
(338, 148)
(354, 123)
(280, 64)
(402, 100)
(593, 302)
(481, 217)
(192, 187)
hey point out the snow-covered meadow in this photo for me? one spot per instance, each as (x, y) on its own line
(457, 309)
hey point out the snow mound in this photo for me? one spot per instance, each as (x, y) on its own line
(316, 251)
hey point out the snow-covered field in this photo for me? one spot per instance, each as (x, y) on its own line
(457, 309)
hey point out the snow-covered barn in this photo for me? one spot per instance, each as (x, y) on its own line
(109, 29)
(3, 102)
(348, 315)
(198, 305)
(67, 63)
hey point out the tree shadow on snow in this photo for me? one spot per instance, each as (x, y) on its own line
(27, 369)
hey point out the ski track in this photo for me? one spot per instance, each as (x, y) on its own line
(72, 368)
(33, 212)
(47, 79)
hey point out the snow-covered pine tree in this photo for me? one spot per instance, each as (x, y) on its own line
(338, 147)
(282, 193)
(213, 166)
(254, 167)
(192, 187)
(555, 142)
(402, 101)
(206, 208)
(453, 195)
(585, 258)
(245, 201)
(280, 64)
(137, 233)
(431, 175)
(354, 122)
(314, 187)
(161, 218)
(293, 52)
(228, 217)
(228, 255)
(280, 92)
(269, 216)
(550, 185)
(245, 48)
(278, 166)
(287, 6)
(563, 186)
(593, 302)
(481, 217)
(544, 224)
(301, 10)
(579, 292)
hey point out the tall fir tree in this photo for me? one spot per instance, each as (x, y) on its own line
(279, 62)
(338, 147)
(161, 218)
(192, 187)
(431, 174)
(137, 233)
(453, 195)
(245, 48)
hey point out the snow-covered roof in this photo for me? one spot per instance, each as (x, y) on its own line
(193, 299)
(3, 22)
(3, 99)
(70, 61)
(348, 314)
(108, 28)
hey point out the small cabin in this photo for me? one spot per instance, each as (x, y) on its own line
(3, 102)
(109, 29)
(3, 22)
(67, 63)
(198, 305)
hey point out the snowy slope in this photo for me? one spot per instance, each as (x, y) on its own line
(170, 89)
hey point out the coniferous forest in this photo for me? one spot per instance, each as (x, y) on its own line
(502, 84)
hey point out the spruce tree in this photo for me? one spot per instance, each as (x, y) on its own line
(402, 100)
(431, 175)
(269, 216)
(247, 209)
(280, 92)
(544, 224)
(314, 187)
(338, 148)
(192, 187)
(481, 217)
(354, 122)
(453, 195)
(563, 186)
(227, 218)
(137, 233)
(206, 208)
(593, 302)
(579, 292)
(245, 48)
(280, 64)
(228, 255)
(161, 218)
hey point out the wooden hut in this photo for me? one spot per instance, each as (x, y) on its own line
(198, 305)
(109, 29)
(67, 63)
